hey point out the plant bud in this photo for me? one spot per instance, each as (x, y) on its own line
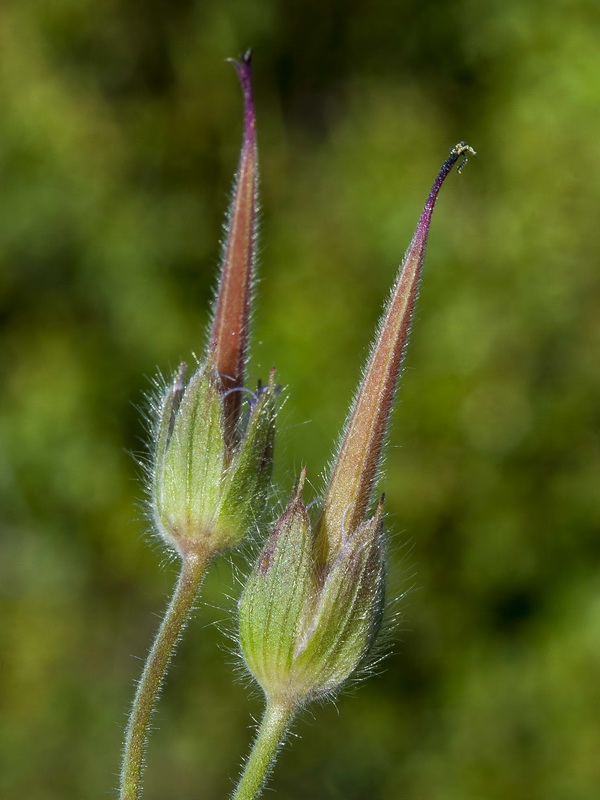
(313, 605)
(207, 494)
(211, 468)
(302, 633)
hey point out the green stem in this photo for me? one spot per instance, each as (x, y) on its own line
(273, 727)
(177, 614)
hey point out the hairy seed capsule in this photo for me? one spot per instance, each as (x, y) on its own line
(205, 493)
(304, 634)
(313, 604)
(212, 464)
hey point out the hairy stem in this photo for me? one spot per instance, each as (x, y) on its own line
(176, 616)
(275, 722)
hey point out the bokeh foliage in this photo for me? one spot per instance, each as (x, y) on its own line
(119, 132)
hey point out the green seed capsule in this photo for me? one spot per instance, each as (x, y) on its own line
(206, 493)
(276, 598)
(303, 633)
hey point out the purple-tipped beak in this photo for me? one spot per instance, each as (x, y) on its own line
(355, 469)
(229, 336)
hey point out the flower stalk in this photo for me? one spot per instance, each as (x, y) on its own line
(148, 688)
(273, 727)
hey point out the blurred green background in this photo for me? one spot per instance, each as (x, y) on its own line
(119, 132)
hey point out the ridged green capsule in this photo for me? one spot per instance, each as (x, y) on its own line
(303, 633)
(275, 599)
(206, 493)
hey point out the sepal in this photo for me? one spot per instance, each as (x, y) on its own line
(276, 598)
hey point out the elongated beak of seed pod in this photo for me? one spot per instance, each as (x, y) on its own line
(229, 335)
(355, 469)
(211, 467)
